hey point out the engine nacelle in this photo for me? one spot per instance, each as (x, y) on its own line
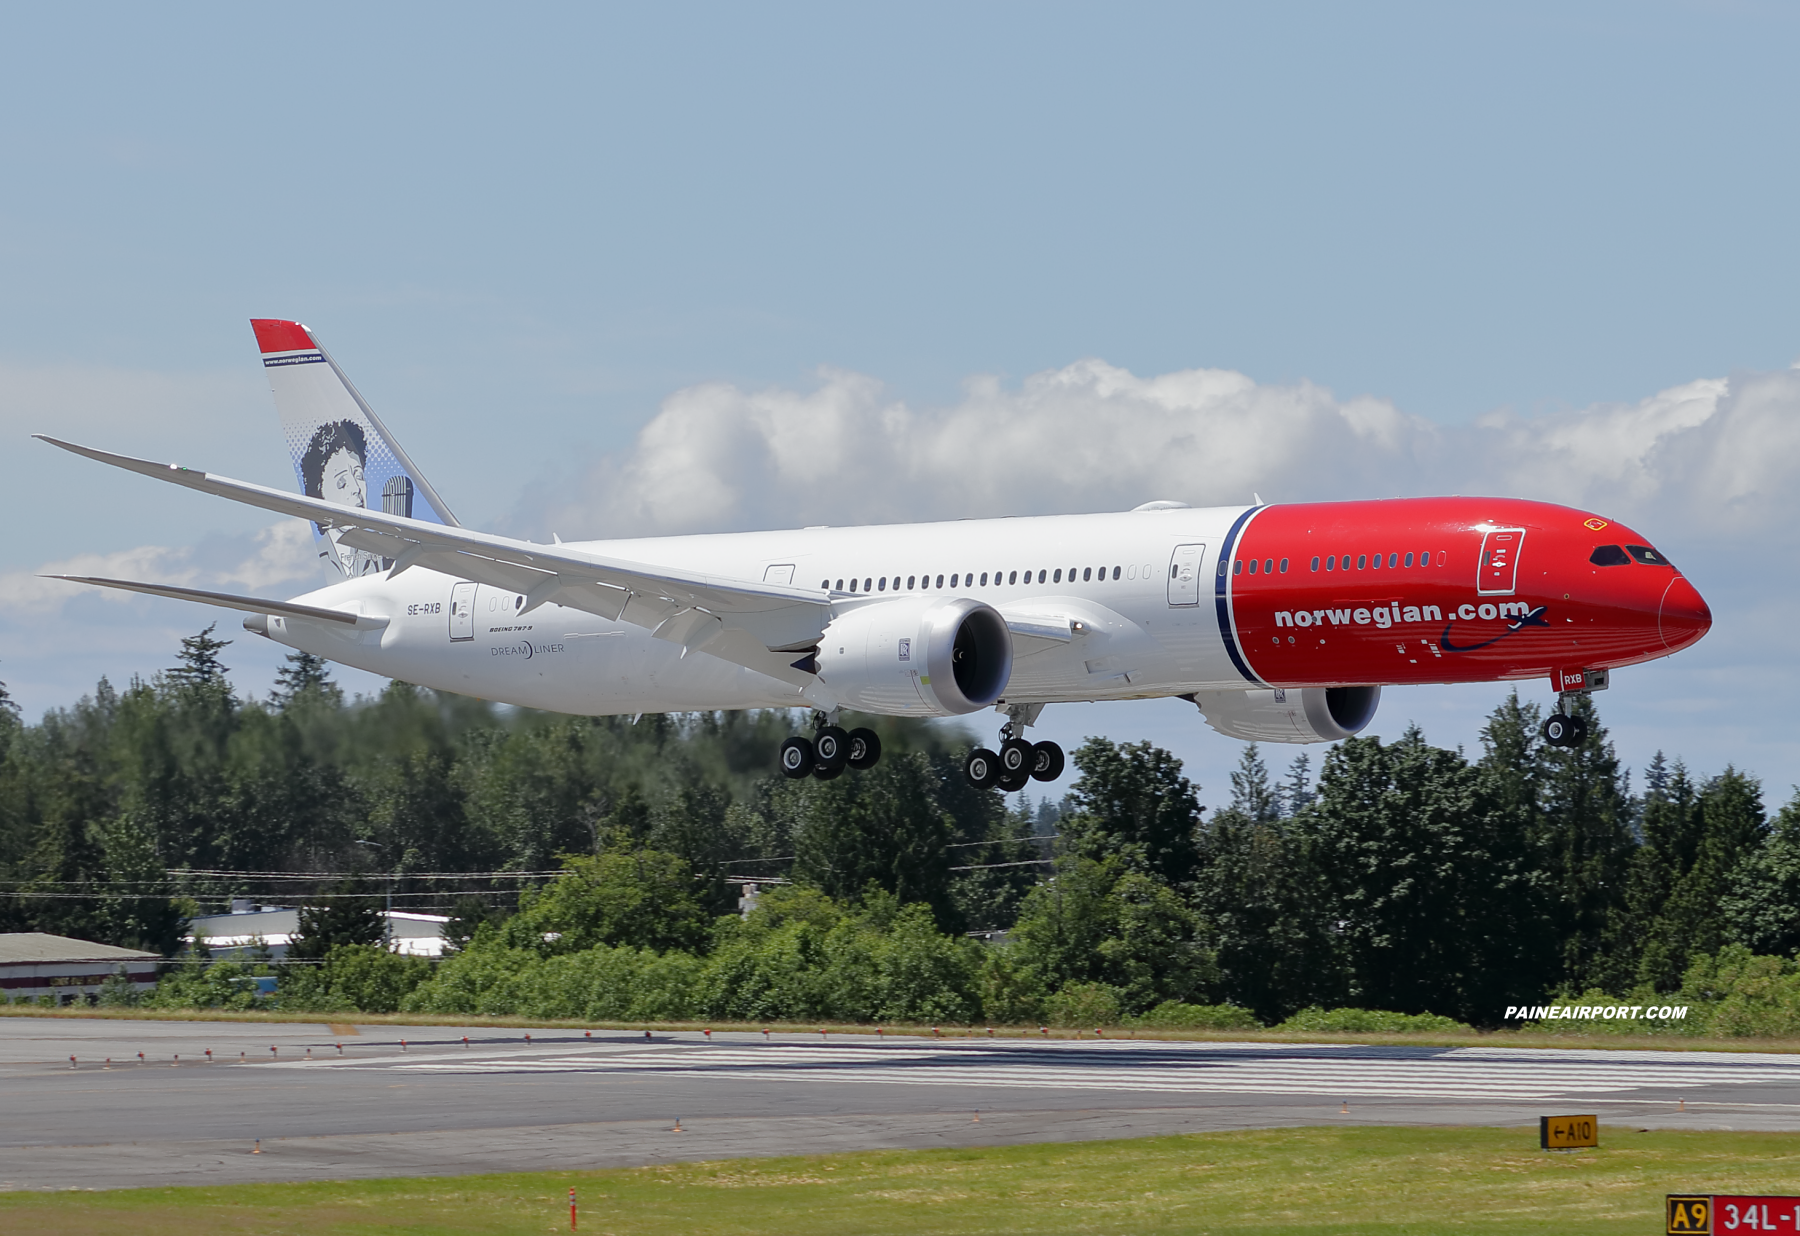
(917, 656)
(1310, 714)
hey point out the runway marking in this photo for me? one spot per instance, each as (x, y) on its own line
(1458, 1073)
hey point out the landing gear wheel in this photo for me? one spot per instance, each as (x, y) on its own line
(1578, 731)
(797, 757)
(1016, 758)
(831, 748)
(1558, 729)
(822, 773)
(865, 749)
(1013, 782)
(982, 768)
(1047, 761)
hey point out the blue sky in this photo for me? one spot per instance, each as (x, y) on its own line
(524, 232)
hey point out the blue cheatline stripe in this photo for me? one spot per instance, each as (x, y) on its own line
(304, 358)
(1221, 581)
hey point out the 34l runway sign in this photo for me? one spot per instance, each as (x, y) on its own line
(1708, 1215)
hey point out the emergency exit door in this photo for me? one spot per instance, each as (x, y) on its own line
(462, 612)
(1184, 574)
(1499, 570)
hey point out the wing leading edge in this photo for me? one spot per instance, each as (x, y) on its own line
(770, 628)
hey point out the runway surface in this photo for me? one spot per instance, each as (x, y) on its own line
(368, 1104)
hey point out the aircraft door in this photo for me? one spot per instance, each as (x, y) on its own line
(782, 573)
(1499, 570)
(1184, 574)
(462, 612)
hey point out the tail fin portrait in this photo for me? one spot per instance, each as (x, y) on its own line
(342, 452)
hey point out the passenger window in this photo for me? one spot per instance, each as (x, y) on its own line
(940, 582)
(1269, 565)
(1609, 555)
(984, 579)
(1647, 556)
(1087, 573)
(909, 583)
(1116, 572)
(867, 583)
(1253, 565)
(1361, 561)
(1375, 562)
(1041, 575)
(1058, 578)
(840, 585)
(1345, 562)
(1393, 561)
(853, 585)
(881, 584)
(1408, 559)
(1315, 562)
(1331, 562)
(1237, 568)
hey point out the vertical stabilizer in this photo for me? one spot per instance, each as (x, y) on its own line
(341, 450)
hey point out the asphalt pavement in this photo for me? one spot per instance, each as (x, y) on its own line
(309, 1102)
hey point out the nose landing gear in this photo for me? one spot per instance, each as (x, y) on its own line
(829, 751)
(1563, 728)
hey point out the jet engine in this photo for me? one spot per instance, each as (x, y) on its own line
(1309, 714)
(917, 656)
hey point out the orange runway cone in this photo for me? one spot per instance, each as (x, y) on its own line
(258, 1149)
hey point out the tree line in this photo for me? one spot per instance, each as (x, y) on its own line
(597, 862)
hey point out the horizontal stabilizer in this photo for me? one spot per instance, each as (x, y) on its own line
(253, 605)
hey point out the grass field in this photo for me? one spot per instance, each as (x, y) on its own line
(1340, 1181)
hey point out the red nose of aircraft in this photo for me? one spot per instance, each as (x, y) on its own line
(1684, 616)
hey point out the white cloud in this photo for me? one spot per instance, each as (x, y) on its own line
(1720, 452)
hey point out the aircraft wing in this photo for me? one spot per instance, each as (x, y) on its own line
(770, 628)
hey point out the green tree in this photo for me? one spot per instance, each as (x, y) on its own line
(1262, 887)
(351, 914)
(1102, 922)
(1432, 884)
(633, 897)
(885, 827)
(1695, 843)
(1762, 908)
(1132, 804)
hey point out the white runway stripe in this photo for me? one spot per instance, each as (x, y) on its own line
(1465, 1073)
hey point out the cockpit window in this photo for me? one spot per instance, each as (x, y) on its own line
(1609, 555)
(1647, 556)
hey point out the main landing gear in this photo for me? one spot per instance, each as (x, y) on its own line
(829, 751)
(1017, 761)
(1563, 728)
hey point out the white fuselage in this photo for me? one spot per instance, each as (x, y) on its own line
(1152, 631)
